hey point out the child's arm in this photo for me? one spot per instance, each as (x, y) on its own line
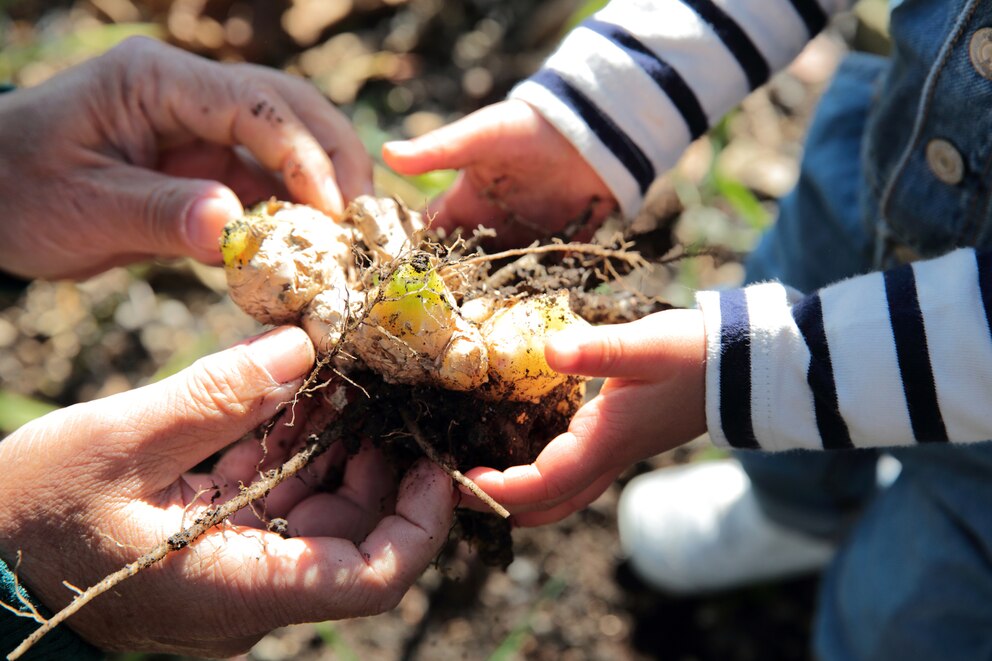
(634, 84)
(889, 358)
(628, 89)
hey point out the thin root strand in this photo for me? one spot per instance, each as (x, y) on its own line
(454, 473)
(211, 517)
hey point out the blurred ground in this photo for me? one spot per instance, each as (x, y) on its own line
(399, 68)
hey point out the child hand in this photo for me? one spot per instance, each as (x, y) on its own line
(519, 175)
(652, 400)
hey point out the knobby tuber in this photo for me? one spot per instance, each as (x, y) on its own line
(287, 263)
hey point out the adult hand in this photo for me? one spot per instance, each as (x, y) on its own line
(652, 400)
(148, 150)
(88, 488)
(519, 175)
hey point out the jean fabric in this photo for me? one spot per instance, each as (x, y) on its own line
(818, 239)
(913, 578)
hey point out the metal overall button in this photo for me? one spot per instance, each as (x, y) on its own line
(945, 161)
(980, 51)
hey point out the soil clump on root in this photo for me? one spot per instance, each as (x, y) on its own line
(465, 432)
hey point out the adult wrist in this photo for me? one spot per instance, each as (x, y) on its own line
(60, 643)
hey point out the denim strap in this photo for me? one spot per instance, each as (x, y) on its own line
(61, 643)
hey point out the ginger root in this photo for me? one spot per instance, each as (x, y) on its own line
(288, 263)
(514, 336)
(415, 334)
(280, 256)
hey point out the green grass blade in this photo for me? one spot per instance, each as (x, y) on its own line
(512, 644)
(17, 410)
(329, 634)
(744, 203)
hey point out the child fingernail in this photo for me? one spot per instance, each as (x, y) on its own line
(398, 147)
(563, 350)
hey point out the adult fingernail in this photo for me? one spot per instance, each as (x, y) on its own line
(206, 220)
(286, 353)
(332, 197)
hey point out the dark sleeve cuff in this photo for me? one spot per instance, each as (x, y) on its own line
(61, 643)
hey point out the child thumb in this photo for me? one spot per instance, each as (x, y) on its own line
(452, 147)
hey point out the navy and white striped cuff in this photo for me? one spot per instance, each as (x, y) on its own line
(890, 358)
(632, 86)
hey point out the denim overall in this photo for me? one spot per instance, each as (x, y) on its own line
(898, 166)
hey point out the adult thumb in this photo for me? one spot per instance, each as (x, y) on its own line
(166, 215)
(202, 409)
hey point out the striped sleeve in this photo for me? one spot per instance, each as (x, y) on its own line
(634, 84)
(891, 358)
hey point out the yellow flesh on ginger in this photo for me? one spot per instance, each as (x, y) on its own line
(515, 337)
(238, 243)
(288, 263)
(415, 306)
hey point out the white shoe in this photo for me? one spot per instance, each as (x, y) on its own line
(699, 528)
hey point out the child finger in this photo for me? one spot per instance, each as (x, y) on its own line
(577, 502)
(564, 468)
(651, 348)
